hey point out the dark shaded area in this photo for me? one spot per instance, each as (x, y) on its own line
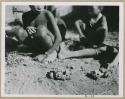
(106, 57)
(92, 75)
(10, 44)
(80, 12)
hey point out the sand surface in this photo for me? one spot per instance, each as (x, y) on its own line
(25, 76)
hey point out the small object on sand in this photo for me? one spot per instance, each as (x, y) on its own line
(59, 75)
(97, 74)
(24, 64)
(92, 75)
(50, 74)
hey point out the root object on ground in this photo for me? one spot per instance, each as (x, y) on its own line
(60, 74)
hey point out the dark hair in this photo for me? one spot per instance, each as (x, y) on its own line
(101, 8)
(15, 23)
(31, 6)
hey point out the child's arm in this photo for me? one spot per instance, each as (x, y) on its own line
(77, 24)
(103, 26)
(24, 19)
(60, 21)
(56, 33)
(101, 32)
(30, 29)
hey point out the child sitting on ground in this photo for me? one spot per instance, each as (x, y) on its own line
(92, 35)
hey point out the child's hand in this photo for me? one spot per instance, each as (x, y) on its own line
(92, 22)
(31, 30)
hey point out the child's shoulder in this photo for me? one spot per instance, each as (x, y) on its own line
(103, 22)
(45, 12)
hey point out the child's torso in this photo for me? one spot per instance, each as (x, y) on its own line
(35, 19)
(92, 28)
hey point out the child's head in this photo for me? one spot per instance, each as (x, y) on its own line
(36, 7)
(94, 10)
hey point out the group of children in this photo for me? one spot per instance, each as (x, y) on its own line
(43, 31)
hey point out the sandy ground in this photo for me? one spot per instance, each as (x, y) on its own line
(25, 76)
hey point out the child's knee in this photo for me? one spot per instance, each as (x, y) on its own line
(21, 34)
(81, 24)
(78, 22)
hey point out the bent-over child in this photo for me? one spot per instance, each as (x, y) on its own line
(36, 35)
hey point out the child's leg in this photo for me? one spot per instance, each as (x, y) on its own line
(16, 31)
(84, 52)
(15, 34)
(80, 53)
(21, 34)
(80, 25)
(46, 37)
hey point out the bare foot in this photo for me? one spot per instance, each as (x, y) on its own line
(103, 49)
(51, 58)
(46, 58)
(40, 58)
(63, 51)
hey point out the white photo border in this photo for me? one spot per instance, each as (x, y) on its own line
(121, 38)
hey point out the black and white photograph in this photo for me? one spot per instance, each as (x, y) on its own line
(62, 49)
